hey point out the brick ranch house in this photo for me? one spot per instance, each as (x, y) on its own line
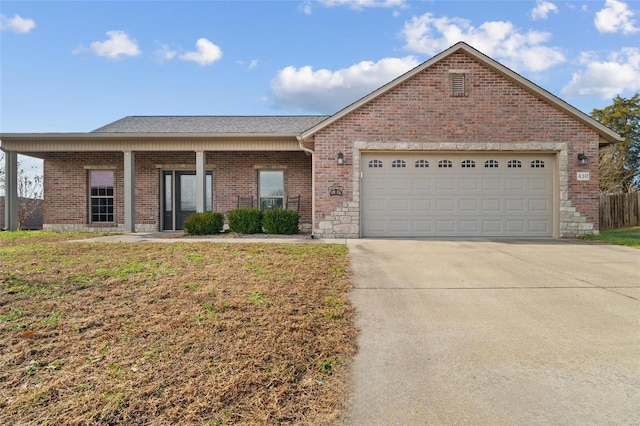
(458, 146)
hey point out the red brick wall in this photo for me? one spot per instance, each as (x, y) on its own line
(421, 109)
(66, 181)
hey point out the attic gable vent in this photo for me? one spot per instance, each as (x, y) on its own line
(457, 83)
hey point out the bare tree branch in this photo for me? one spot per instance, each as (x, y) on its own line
(30, 192)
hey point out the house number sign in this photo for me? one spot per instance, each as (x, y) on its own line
(583, 176)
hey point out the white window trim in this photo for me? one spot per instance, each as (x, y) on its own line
(269, 169)
(91, 197)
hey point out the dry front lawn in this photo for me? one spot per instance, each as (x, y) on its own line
(180, 333)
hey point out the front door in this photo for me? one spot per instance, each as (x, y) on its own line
(179, 200)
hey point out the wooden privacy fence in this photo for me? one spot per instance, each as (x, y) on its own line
(620, 210)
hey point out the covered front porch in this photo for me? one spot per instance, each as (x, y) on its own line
(145, 184)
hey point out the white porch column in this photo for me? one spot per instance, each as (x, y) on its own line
(11, 190)
(201, 185)
(129, 192)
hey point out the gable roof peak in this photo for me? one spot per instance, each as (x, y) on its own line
(605, 133)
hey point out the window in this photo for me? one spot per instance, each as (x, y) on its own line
(101, 196)
(491, 164)
(458, 84)
(445, 164)
(421, 164)
(537, 164)
(514, 164)
(271, 188)
(468, 164)
(398, 164)
(375, 164)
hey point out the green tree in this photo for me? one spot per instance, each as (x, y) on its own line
(620, 163)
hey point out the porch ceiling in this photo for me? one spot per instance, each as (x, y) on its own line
(34, 143)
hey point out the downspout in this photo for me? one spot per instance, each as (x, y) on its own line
(313, 183)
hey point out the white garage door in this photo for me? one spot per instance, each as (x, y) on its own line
(444, 195)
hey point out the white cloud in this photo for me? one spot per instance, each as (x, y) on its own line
(327, 91)
(615, 17)
(17, 24)
(500, 40)
(251, 65)
(542, 9)
(164, 53)
(206, 53)
(118, 44)
(361, 4)
(358, 5)
(620, 72)
(306, 7)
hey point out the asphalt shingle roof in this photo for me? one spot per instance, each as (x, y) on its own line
(277, 125)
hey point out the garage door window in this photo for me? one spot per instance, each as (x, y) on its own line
(445, 164)
(375, 164)
(491, 164)
(421, 164)
(468, 164)
(537, 164)
(398, 164)
(514, 164)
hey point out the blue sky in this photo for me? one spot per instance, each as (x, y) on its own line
(69, 66)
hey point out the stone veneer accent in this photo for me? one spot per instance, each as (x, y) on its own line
(344, 221)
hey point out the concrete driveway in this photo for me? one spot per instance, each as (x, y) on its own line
(496, 333)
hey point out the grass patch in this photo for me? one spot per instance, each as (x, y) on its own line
(195, 333)
(629, 237)
(23, 238)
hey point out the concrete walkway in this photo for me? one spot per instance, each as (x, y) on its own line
(496, 333)
(180, 237)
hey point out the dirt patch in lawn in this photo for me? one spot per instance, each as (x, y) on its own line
(180, 333)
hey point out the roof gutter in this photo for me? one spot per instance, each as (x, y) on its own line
(115, 136)
(313, 182)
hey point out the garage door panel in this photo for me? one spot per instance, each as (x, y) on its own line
(539, 184)
(491, 184)
(376, 205)
(493, 227)
(422, 227)
(515, 225)
(398, 184)
(538, 226)
(491, 205)
(458, 199)
(376, 227)
(445, 226)
(421, 184)
(469, 227)
(468, 184)
(445, 205)
(468, 206)
(515, 205)
(399, 205)
(539, 205)
(422, 206)
(375, 184)
(445, 184)
(399, 225)
(514, 184)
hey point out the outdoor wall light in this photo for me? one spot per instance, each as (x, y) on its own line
(583, 159)
(340, 159)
